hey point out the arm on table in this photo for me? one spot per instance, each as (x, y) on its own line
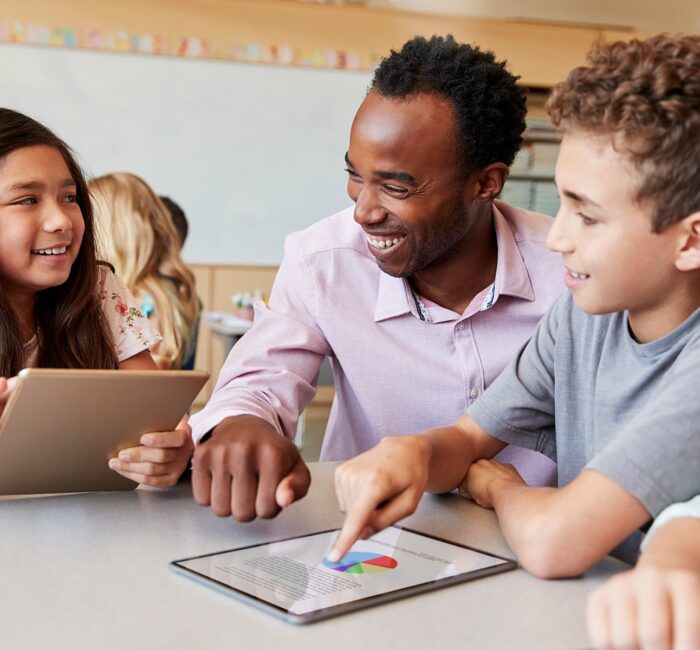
(385, 484)
(557, 532)
(249, 466)
(656, 605)
(162, 456)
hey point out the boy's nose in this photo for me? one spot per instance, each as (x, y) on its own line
(557, 239)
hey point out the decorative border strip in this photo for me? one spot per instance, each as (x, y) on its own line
(188, 47)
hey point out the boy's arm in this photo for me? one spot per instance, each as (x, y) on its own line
(658, 603)
(557, 533)
(385, 484)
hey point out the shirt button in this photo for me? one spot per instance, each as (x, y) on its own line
(460, 326)
(474, 393)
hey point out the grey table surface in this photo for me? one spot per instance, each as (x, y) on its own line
(91, 571)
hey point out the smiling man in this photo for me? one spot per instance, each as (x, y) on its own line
(419, 294)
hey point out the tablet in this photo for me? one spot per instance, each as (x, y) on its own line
(60, 427)
(293, 579)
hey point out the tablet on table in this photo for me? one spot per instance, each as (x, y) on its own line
(293, 579)
(60, 427)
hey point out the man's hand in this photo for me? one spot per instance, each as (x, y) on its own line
(482, 474)
(648, 607)
(160, 459)
(379, 487)
(248, 469)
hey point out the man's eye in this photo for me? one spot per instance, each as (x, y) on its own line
(350, 172)
(395, 190)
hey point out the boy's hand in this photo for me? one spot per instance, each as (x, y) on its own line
(161, 458)
(482, 474)
(6, 387)
(379, 487)
(648, 607)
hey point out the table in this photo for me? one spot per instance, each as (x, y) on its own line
(91, 571)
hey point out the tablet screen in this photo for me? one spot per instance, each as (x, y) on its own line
(294, 576)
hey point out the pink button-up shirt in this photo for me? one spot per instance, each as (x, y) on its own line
(394, 373)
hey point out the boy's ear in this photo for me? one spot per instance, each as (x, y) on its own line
(688, 258)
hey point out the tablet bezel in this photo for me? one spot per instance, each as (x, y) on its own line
(341, 608)
(108, 410)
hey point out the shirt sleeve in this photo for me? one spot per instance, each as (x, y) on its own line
(272, 372)
(689, 509)
(518, 407)
(131, 331)
(656, 454)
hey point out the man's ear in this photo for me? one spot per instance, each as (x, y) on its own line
(490, 181)
(688, 257)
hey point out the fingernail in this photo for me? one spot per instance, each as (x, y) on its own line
(146, 440)
(123, 455)
(333, 556)
(113, 463)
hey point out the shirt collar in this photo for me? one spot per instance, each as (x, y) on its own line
(395, 298)
(512, 278)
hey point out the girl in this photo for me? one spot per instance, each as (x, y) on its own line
(59, 306)
(129, 211)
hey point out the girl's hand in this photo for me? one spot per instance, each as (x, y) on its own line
(648, 607)
(6, 387)
(480, 476)
(161, 458)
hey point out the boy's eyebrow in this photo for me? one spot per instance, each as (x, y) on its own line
(403, 177)
(579, 198)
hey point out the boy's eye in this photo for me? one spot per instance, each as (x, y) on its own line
(587, 221)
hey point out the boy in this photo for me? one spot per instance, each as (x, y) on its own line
(608, 383)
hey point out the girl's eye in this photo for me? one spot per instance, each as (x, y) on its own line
(71, 198)
(30, 200)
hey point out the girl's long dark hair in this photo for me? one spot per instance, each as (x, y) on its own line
(71, 327)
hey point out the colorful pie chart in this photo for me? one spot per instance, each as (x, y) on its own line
(357, 562)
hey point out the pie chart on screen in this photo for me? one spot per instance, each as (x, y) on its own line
(358, 562)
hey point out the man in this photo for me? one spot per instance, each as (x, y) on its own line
(419, 301)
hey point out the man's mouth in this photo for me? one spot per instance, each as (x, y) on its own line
(59, 250)
(383, 243)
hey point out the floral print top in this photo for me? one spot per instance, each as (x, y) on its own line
(131, 331)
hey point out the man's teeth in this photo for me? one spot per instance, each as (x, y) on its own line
(51, 251)
(383, 243)
(578, 276)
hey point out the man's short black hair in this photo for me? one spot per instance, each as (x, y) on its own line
(488, 103)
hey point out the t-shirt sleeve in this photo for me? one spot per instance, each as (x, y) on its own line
(518, 407)
(656, 454)
(688, 510)
(131, 331)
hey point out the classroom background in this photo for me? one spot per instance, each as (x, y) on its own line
(240, 110)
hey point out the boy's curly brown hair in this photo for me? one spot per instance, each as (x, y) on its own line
(645, 94)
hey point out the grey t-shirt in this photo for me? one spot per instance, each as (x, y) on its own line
(583, 392)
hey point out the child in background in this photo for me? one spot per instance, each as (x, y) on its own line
(607, 386)
(656, 605)
(59, 306)
(178, 217)
(140, 239)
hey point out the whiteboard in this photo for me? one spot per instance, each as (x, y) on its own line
(251, 152)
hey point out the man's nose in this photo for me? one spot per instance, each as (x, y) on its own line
(367, 209)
